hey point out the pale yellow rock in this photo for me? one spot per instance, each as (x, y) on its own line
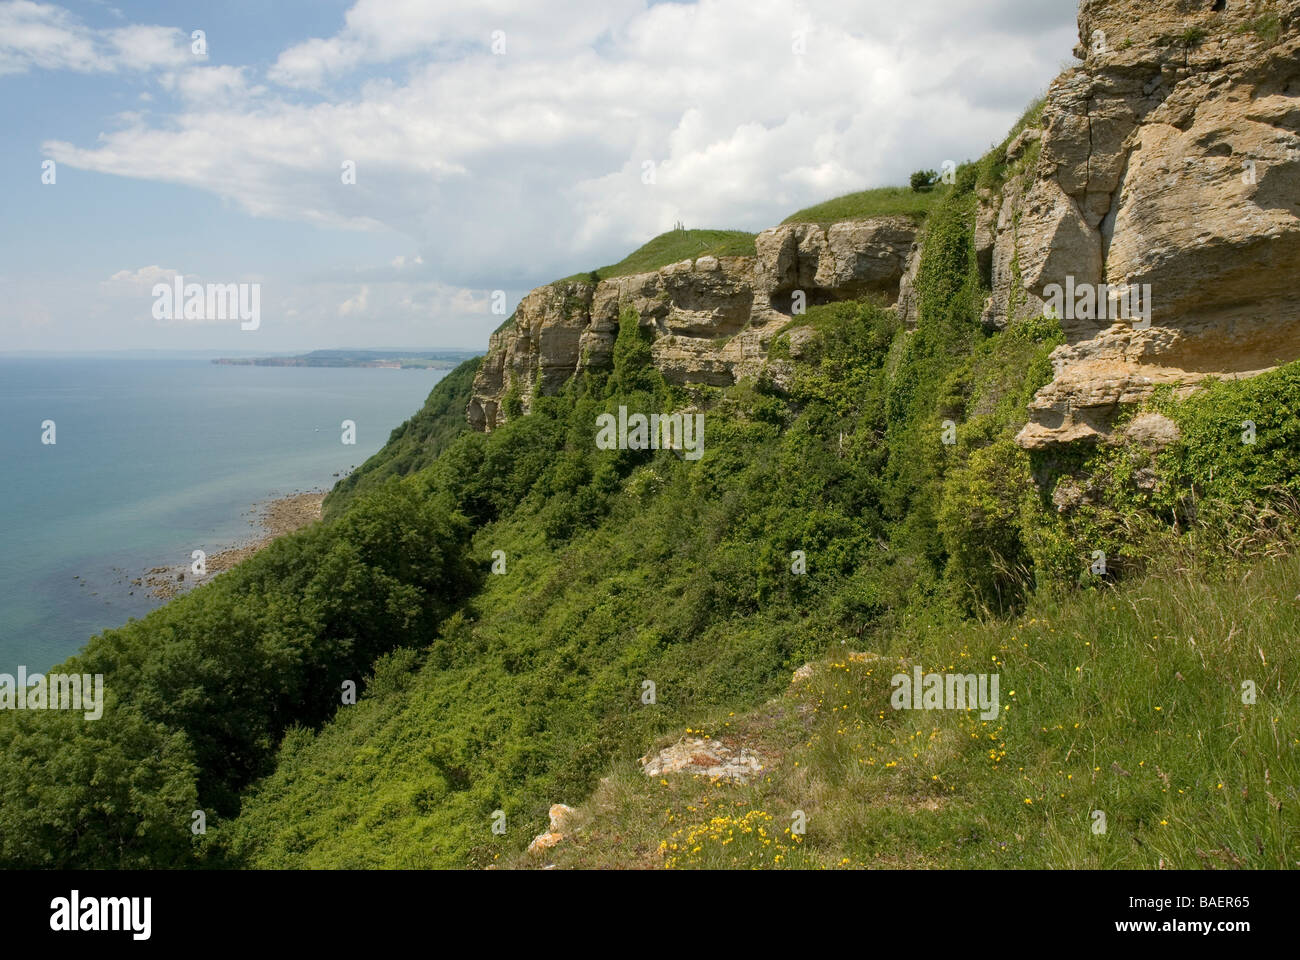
(707, 758)
(1170, 158)
(1151, 431)
(712, 318)
(561, 816)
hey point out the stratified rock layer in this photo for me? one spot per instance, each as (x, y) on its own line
(1171, 157)
(712, 317)
(1169, 160)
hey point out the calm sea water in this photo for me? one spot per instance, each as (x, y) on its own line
(156, 458)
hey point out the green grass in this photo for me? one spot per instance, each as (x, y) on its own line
(677, 245)
(1125, 701)
(879, 202)
(1267, 27)
(673, 247)
(992, 170)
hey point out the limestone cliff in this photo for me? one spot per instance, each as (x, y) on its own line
(712, 317)
(1168, 161)
(1169, 158)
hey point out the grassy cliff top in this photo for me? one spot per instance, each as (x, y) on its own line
(673, 247)
(879, 202)
(677, 245)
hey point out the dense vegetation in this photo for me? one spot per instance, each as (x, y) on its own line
(200, 692)
(888, 463)
(418, 441)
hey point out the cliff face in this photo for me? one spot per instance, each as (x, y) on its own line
(1170, 158)
(1165, 175)
(712, 317)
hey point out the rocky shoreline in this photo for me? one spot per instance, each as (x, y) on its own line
(276, 518)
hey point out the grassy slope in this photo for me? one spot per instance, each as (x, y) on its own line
(530, 697)
(625, 567)
(878, 202)
(677, 245)
(1124, 701)
(678, 573)
(673, 247)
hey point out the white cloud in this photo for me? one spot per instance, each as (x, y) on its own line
(356, 305)
(138, 282)
(48, 37)
(219, 85)
(382, 31)
(146, 47)
(40, 35)
(505, 171)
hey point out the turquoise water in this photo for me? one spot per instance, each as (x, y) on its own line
(153, 459)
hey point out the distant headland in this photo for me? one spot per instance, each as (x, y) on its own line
(393, 359)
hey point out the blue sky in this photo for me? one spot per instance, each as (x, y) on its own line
(477, 169)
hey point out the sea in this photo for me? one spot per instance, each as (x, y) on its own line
(154, 458)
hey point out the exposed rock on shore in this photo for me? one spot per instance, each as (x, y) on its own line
(277, 517)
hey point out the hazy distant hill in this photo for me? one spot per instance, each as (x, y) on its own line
(435, 359)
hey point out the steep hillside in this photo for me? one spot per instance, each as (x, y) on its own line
(1151, 201)
(625, 567)
(710, 319)
(526, 611)
(1122, 743)
(417, 442)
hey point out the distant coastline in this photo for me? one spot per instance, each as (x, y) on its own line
(393, 360)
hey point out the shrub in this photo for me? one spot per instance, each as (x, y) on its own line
(923, 180)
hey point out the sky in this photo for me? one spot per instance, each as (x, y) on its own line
(380, 168)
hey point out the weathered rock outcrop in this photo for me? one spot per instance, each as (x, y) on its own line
(706, 758)
(1170, 158)
(561, 816)
(1167, 163)
(712, 317)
